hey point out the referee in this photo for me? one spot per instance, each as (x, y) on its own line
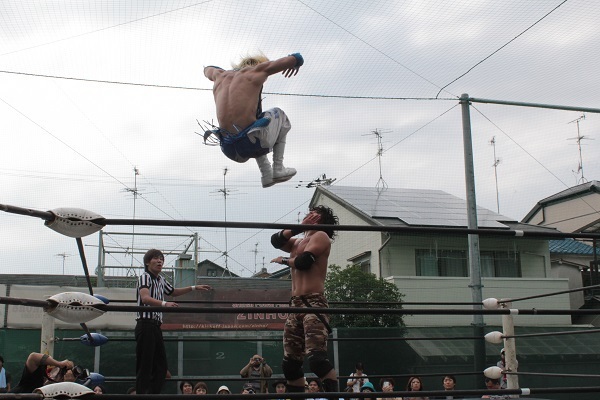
(151, 356)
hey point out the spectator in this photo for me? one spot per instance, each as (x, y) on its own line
(387, 385)
(279, 387)
(223, 390)
(4, 377)
(493, 384)
(257, 369)
(368, 387)
(357, 378)
(35, 375)
(314, 386)
(200, 388)
(502, 365)
(248, 388)
(131, 390)
(415, 385)
(449, 383)
(99, 389)
(186, 387)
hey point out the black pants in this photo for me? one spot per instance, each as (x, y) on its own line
(151, 358)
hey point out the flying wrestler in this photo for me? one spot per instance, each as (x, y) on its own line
(306, 333)
(245, 131)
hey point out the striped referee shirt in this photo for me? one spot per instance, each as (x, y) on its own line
(158, 287)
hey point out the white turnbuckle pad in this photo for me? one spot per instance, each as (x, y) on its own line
(75, 222)
(74, 307)
(63, 390)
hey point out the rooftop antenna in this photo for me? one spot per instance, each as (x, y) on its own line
(136, 193)
(579, 138)
(255, 251)
(225, 193)
(381, 184)
(495, 165)
(64, 256)
(321, 180)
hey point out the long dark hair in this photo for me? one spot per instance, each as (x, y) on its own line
(327, 218)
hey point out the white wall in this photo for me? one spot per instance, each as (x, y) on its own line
(436, 289)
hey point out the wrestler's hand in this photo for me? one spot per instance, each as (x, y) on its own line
(312, 218)
(66, 364)
(278, 260)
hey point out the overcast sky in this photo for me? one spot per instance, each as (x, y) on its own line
(91, 90)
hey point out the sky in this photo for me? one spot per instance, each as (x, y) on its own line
(90, 92)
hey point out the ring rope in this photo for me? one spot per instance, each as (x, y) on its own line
(302, 310)
(345, 395)
(382, 303)
(101, 221)
(537, 296)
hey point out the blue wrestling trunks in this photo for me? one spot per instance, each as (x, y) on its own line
(238, 147)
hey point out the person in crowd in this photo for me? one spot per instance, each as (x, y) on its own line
(200, 388)
(186, 387)
(314, 386)
(368, 387)
(305, 334)
(248, 388)
(5, 379)
(279, 387)
(494, 384)
(415, 385)
(151, 356)
(387, 385)
(223, 390)
(35, 373)
(357, 378)
(256, 370)
(131, 390)
(99, 389)
(449, 383)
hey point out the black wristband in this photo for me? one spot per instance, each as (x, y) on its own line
(285, 261)
(296, 231)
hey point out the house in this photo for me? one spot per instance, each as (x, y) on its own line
(434, 267)
(209, 268)
(576, 209)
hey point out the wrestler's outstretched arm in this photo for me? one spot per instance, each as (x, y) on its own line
(211, 72)
(289, 65)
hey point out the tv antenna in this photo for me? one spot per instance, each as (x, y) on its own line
(381, 184)
(255, 251)
(495, 165)
(136, 193)
(579, 138)
(321, 180)
(64, 256)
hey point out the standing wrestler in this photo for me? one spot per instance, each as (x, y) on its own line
(245, 131)
(151, 356)
(307, 333)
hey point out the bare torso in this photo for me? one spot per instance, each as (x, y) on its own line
(236, 97)
(311, 280)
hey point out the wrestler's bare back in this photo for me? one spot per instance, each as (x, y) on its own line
(236, 92)
(236, 97)
(311, 280)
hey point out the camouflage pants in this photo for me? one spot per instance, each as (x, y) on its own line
(305, 332)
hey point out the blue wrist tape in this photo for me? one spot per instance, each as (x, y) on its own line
(299, 59)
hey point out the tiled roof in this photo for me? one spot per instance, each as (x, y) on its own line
(571, 246)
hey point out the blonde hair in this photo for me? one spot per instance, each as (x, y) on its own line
(251, 60)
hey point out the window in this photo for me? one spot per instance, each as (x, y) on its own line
(363, 260)
(500, 264)
(441, 263)
(211, 272)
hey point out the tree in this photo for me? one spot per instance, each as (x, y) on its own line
(352, 284)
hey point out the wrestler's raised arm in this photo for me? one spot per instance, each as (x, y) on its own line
(289, 65)
(211, 72)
